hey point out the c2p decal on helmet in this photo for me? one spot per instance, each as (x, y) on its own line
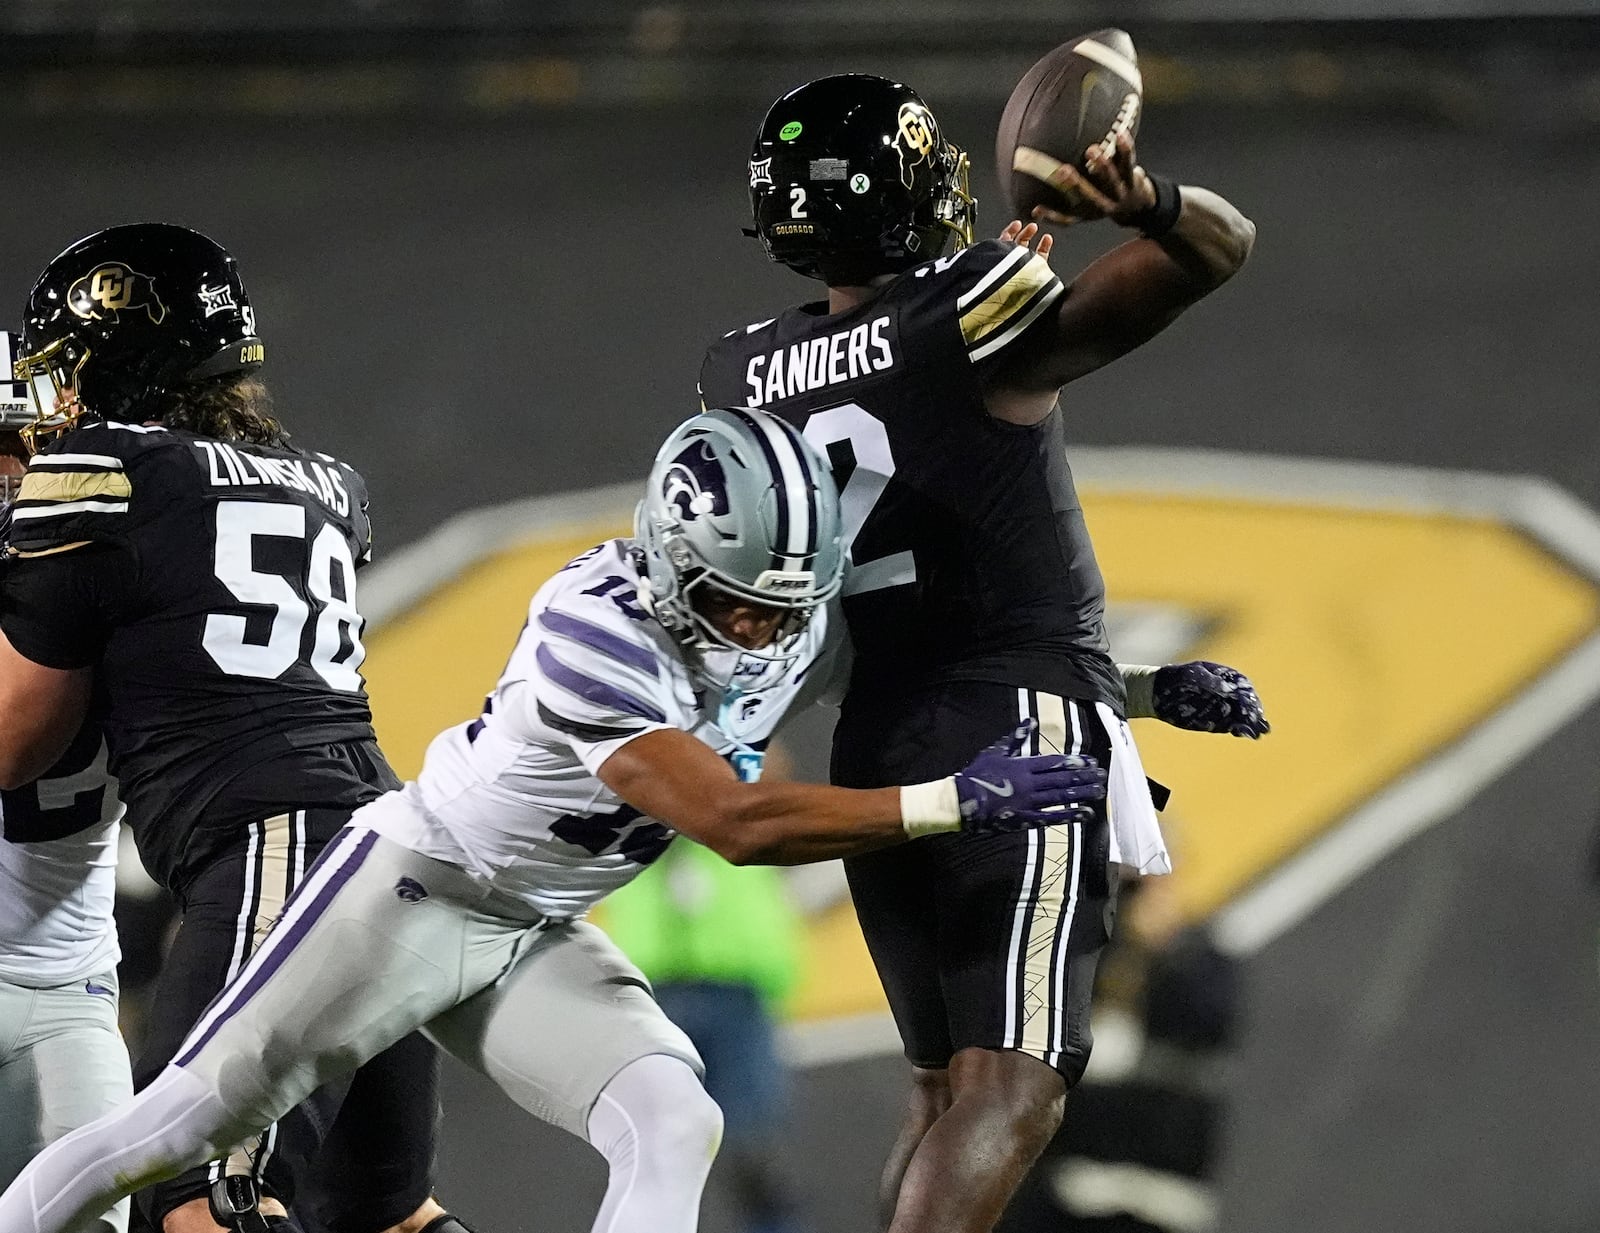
(695, 485)
(111, 288)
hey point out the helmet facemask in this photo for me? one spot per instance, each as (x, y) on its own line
(51, 375)
(956, 207)
(675, 606)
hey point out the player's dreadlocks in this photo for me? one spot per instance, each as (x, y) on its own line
(229, 408)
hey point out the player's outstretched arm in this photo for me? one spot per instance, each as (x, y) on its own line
(1193, 241)
(678, 780)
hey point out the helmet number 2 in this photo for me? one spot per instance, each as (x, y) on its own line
(336, 651)
(851, 426)
(797, 202)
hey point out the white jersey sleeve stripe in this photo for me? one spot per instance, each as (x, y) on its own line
(76, 461)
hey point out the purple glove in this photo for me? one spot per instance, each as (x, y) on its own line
(1001, 791)
(1207, 697)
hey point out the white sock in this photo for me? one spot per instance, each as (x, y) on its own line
(659, 1131)
(175, 1123)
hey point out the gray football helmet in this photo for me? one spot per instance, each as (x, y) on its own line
(739, 501)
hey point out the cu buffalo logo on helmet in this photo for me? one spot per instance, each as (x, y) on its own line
(694, 484)
(112, 289)
(916, 140)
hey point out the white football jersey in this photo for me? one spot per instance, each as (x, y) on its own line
(56, 895)
(513, 795)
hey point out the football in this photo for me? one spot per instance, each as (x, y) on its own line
(1083, 93)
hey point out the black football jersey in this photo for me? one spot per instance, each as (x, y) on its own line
(226, 643)
(970, 559)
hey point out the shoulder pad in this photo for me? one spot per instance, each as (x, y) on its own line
(994, 289)
(81, 487)
(722, 369)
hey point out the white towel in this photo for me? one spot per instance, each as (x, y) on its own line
(1136, 839)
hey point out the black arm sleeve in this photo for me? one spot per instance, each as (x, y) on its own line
(59, 610)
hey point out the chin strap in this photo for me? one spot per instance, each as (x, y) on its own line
(445, 1224)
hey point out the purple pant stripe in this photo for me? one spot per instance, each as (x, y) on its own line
(259, 973)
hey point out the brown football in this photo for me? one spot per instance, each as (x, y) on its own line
(1083, 93)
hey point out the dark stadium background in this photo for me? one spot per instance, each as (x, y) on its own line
(487, 242)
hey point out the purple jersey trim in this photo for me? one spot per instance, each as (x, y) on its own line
(592, 690)
(602, 640)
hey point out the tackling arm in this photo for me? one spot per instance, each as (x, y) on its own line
(671, 776)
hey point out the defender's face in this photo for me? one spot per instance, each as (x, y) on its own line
(751, 626)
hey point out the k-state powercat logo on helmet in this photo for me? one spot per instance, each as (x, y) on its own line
(695, 485)
(113, 288)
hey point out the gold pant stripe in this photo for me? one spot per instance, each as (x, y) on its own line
(270, 878)
(1043, 917)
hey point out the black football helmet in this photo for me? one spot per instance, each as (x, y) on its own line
(851, 178)
(126, 314)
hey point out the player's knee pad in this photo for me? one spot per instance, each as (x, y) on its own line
(693, 1128)
(656, 1110)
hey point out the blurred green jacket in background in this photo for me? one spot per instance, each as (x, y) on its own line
(692, 917)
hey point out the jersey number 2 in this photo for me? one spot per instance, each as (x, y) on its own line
(868, 440)
(338, 624)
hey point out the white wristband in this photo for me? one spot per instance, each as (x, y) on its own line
(930, 808)
(1140, 682)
